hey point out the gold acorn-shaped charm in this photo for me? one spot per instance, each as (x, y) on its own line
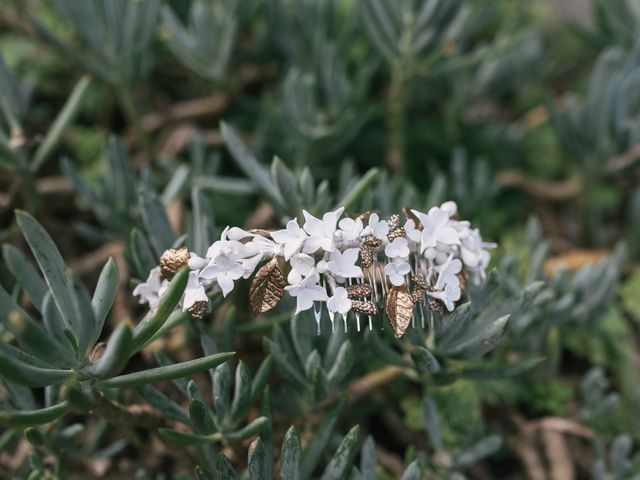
(364, 306)
(366, 256)
(399, 308)
(359, 290)
(172, 261)
(267, 287)
(199, 309)
(393, 222)
(396, 233)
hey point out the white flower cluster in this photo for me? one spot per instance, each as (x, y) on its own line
(325, 257)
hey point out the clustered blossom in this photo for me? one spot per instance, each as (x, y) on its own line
(326, 256)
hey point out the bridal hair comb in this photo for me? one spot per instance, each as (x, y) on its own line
(361, 264)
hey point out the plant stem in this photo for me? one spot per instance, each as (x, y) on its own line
(132, 115)
(396, 104)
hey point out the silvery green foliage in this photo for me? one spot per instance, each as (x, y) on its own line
(113, 38)
(325, 105)
(563, 300)
(315, 459)
(290, 191)
(204, 43)
(112, 197)
(224, 420)
(614, 460)
(16, 152)
(412, 32)
(615, 22)
(604, 123)
(315, 366)
(57, 349)
(294, 462)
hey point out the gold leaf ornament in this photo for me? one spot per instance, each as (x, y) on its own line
(399, 308)
(267, 287)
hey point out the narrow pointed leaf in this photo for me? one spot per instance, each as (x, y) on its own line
(161, 374)
(26, 370)
(31, 336)
(116, 355)
(224, 468)
(290, 459)
(25, 274)
(154, 320)
(258, 469)
(52, 266)
(104, 295)
(25, 418)
(342, 460)
(60, 124)
(321, 439)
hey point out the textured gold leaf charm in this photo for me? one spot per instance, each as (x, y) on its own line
(267, 287)
(399, 307)
(172, 261)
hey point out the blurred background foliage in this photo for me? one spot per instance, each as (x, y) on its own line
(127, 127)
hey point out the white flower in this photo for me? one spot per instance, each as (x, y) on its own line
(301, 266)
(196, 262)
(223, 270)
(152, 289)
(396, 271)
(450, 295)
(321, 232)
(249, 264)
(194, 292)
(435, 229)
(230, 248)
(450, 207)
(378, 228)
(339, 302)
(399, 248)
(292, 237)
(343, 265)
(260, 244)
(412, 232)
(350, 229)
(448, 272)
(307, 292)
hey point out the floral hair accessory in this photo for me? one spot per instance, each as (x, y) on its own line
(365, 265)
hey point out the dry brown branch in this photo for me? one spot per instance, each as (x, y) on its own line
(96, 259)
(560, 464)
(199, 107)
(557, 191)
(365, 385)
(624, 160)
(390, 461)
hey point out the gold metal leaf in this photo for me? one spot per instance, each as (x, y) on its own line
(267, 287)
(172, 261)
(399, 307)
